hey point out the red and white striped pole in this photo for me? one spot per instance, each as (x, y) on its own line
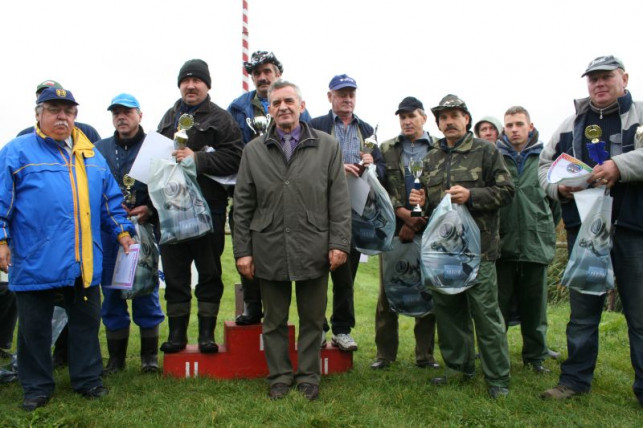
(244, 47)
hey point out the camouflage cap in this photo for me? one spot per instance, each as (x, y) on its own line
(450, 102)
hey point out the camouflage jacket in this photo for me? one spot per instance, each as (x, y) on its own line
(477, 165)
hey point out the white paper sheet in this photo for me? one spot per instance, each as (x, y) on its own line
(155, 146)
(358, 190)
(125, 268)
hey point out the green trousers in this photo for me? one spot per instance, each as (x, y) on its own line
(311, 307)
(454, 315)
(528, 283)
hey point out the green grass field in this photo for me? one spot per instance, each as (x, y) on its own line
(400, 396)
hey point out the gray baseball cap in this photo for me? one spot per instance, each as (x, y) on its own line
(604, 63)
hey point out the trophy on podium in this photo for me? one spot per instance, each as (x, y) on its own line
(259, 124)
(416, 167)
(186, 121)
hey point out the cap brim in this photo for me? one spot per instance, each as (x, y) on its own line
(342, 86)
(122, 105)
(601, 68)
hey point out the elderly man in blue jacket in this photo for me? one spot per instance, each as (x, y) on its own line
(56, 194)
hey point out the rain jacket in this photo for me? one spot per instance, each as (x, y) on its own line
(43, 211)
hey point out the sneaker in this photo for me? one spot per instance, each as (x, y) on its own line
(380, 363)
(496, 392)
(538, 368)
(559, 392)
(323, 340)
(344, 342)
(309, 390)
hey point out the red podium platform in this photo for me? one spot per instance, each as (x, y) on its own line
(242, 356)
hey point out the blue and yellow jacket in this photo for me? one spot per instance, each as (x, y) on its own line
(52, 209)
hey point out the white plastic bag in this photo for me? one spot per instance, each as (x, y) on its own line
(146, 277)
(373, 230)
(183, 211)
(450, 249)
(589, 269)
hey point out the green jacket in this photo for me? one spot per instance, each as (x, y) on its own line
(477, 165)
(288, 215)
(527, 231)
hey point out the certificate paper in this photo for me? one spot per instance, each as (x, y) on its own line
(569, 171)
(125, 268)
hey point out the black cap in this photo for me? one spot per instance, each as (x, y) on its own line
(409, 104)
(196, 68)
(604, 63)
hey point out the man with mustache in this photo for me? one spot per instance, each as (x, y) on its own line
(264, 69)
(472, 171)
(351, 131)
(413, 143)
(611, 107)
(120, 151)
(56, 195)
(292, 223)
(214, 142)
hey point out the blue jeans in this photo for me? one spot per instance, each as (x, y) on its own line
(586, 310)
(35, 310)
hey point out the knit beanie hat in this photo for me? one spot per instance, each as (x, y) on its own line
(196, 68)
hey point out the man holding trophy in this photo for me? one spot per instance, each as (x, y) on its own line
(351, 132)
(609, 110)
(214, 142)
(250, 111)
(120, 151)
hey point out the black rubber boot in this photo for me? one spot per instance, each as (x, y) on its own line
(149, 355)
(178, 337)
(117, 348)
(251, 303)
(206, 335)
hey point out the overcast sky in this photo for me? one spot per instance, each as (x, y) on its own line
(493, 54)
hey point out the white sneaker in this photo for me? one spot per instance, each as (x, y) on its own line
(344, 342)
(323, 339)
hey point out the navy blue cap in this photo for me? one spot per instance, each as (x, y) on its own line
(342, 81)
(125, 100)
(56, 94)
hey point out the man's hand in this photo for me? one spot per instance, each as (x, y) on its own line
(567, 192)
(606, 174)
(417, 197)
(336, 258)
(351, 169)
(459, 195)
(5, 258)
(406, 234)
(142, 212)
(125, 241)
(367, 158)
(246, 266)
(183, 153)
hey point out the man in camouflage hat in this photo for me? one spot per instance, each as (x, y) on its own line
(471, 170)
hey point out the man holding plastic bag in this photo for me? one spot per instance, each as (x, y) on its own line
(606, 134)
(473, 173)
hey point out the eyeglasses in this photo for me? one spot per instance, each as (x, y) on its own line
(55, 110)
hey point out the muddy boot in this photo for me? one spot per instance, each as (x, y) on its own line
(178, 337)
(206, 335)
(117, 348)
(149, 347)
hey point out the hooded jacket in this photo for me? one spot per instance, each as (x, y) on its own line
(527, 230)
(41, 209)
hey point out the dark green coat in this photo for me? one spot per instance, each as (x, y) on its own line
(527, 231)
(477, 165)
(288, 215)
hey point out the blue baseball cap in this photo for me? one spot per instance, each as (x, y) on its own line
(125, 100)
(342, 81)
(56, 94)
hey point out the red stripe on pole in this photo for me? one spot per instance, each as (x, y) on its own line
(244, 47)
